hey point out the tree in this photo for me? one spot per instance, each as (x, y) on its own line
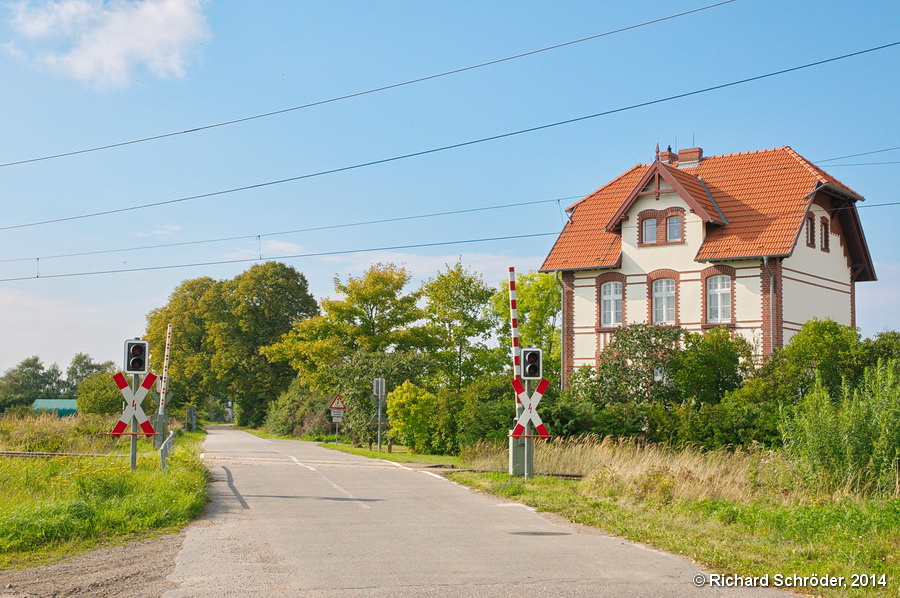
(83, 367)
(375, 314)
(711, 365)
(28, 381)
(539, 310)
(218, 330)
(456, 303)
(98, 393)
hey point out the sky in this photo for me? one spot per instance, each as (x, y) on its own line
(84, 74)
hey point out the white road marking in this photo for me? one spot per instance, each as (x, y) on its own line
(397, 464)
(309, 467)
(434, 475)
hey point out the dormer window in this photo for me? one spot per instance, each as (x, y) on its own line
(673, 229)
(649, 230)
(661, 227)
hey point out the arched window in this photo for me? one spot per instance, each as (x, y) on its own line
(664, 301)
(718, 299)
(611, 304)
(673, 229)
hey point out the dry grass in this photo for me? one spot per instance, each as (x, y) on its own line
(616, 468)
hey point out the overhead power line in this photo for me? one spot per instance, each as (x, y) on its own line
(455, 145)
(366, 92)
(282, 257)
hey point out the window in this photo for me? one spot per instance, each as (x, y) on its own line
(664, 301)
(649, 230)
(810, 232)
(718, 299)
(825, 235)
(610, 304)
(673, 229)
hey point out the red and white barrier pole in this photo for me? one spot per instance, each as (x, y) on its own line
(514, 326)
(165, 372)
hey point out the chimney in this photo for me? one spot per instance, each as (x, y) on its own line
(690, 157)
(668, 156)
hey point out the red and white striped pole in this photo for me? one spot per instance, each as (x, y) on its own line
(164, 382)
(514, 326)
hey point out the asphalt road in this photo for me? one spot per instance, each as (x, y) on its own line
(289, 518)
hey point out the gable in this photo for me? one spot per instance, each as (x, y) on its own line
(754, 204)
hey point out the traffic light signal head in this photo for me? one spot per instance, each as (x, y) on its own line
(137, 356)
(532, 364)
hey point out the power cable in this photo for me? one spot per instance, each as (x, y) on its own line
(282, 257)
(366, 92)
(455, 145)
(415, 217)
(295, 231)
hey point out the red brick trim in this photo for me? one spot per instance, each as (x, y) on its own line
(825, 243)
(656, 275)
(662, 227)
(601, 280)
(810, 231)
(771, 342)
(704, 275)
(568, 324)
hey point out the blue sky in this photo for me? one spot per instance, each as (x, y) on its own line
(79, 74)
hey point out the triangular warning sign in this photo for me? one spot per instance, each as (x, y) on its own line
(337, 403)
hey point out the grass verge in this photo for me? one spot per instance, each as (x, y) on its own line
(841, 537)
(56, 506)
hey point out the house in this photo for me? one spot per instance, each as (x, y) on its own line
(759, 242)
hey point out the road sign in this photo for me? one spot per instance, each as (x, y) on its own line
(337, 417)
(530, 409)
(133, 402)
(337, 403)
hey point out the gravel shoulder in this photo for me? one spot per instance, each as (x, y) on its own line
(131, 570)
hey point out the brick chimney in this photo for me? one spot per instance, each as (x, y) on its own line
(690, 157)
(668, 156)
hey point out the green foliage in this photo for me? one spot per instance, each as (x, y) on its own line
(458, 325)
(854, 444)
(98, 393)
(298, 412)
(46, 503)
(410, 409)
(711, 365)
(83, 367)
(821, 347)
(29, 380)
(218, 330)
(539, 311)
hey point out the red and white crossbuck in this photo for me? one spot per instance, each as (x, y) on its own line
(133, 407)
(529, 411)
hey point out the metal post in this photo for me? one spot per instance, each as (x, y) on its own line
(529, 441)
(380, 401)
(134, 427)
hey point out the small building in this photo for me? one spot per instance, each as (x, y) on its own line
(62, 407)
(760, 242)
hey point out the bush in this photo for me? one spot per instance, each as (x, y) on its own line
(297, 412)
(854, 445)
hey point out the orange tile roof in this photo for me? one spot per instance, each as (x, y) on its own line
(763, 196)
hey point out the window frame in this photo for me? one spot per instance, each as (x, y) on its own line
(649, 239)
(679, 225)
(811, 231)
(714, 299)
(668, 298)
(824, 231)
(616, 302)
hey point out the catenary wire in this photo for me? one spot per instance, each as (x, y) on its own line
(415, 217)
(452, 146)
(366, 92)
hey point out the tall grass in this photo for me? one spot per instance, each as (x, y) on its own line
(850, 443)
(46, 503)
(622, 467)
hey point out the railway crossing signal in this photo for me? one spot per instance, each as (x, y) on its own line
(137, 356)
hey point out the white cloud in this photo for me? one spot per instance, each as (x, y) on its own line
(167, 230)
(100, 42)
